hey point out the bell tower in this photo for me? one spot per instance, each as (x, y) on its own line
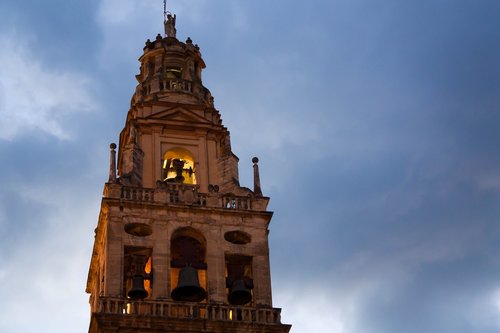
(179, 246)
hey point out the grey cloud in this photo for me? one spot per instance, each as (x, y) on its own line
(376, 126)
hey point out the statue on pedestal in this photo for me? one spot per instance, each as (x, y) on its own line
(170, 30)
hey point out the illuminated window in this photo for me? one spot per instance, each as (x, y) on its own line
(178, 166)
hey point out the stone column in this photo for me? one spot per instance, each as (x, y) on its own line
(114, 260)
(203, 162)
(216, 277)
(161, 260)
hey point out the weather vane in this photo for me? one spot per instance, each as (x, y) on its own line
(164, 11)
(168, 21)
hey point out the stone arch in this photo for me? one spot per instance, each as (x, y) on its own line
(188, 248)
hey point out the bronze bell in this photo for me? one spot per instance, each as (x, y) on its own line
(137, 291)
(179, 167)
(188, 288)
(239, 294)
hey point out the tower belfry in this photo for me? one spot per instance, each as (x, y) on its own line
(180, 246)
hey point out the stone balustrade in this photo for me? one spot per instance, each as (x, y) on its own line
(176, 85)
(184, 194)
(157, 84)
(137, 194)
(181, 310)
(234, 202)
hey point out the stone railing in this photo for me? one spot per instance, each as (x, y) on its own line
(184, 194)
(179, 310)
(235, 202)
(137, 194)
(176, 85)
(156, 84)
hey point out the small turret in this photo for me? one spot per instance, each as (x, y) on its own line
(171, 71)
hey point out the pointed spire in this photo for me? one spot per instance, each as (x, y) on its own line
(112, 163)
(256, 177)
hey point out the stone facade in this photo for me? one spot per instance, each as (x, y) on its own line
(173, 206)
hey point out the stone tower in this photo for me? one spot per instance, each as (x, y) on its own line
(180, 246)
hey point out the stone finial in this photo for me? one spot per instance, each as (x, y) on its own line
(112, 163)
(256, 177)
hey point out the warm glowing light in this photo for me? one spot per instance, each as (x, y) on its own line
(178, 166)
(147, 268)
(147, 282)
(174, 277)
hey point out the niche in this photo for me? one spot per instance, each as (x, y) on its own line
(237, 237)
(138, 229)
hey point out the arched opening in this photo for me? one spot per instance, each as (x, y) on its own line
(173, 72)
(178, 166)
(239, 279)
(137, 272)
(188, 265)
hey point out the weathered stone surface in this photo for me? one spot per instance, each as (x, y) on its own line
(151, 206)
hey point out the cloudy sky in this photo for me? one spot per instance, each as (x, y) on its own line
(376, 123)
